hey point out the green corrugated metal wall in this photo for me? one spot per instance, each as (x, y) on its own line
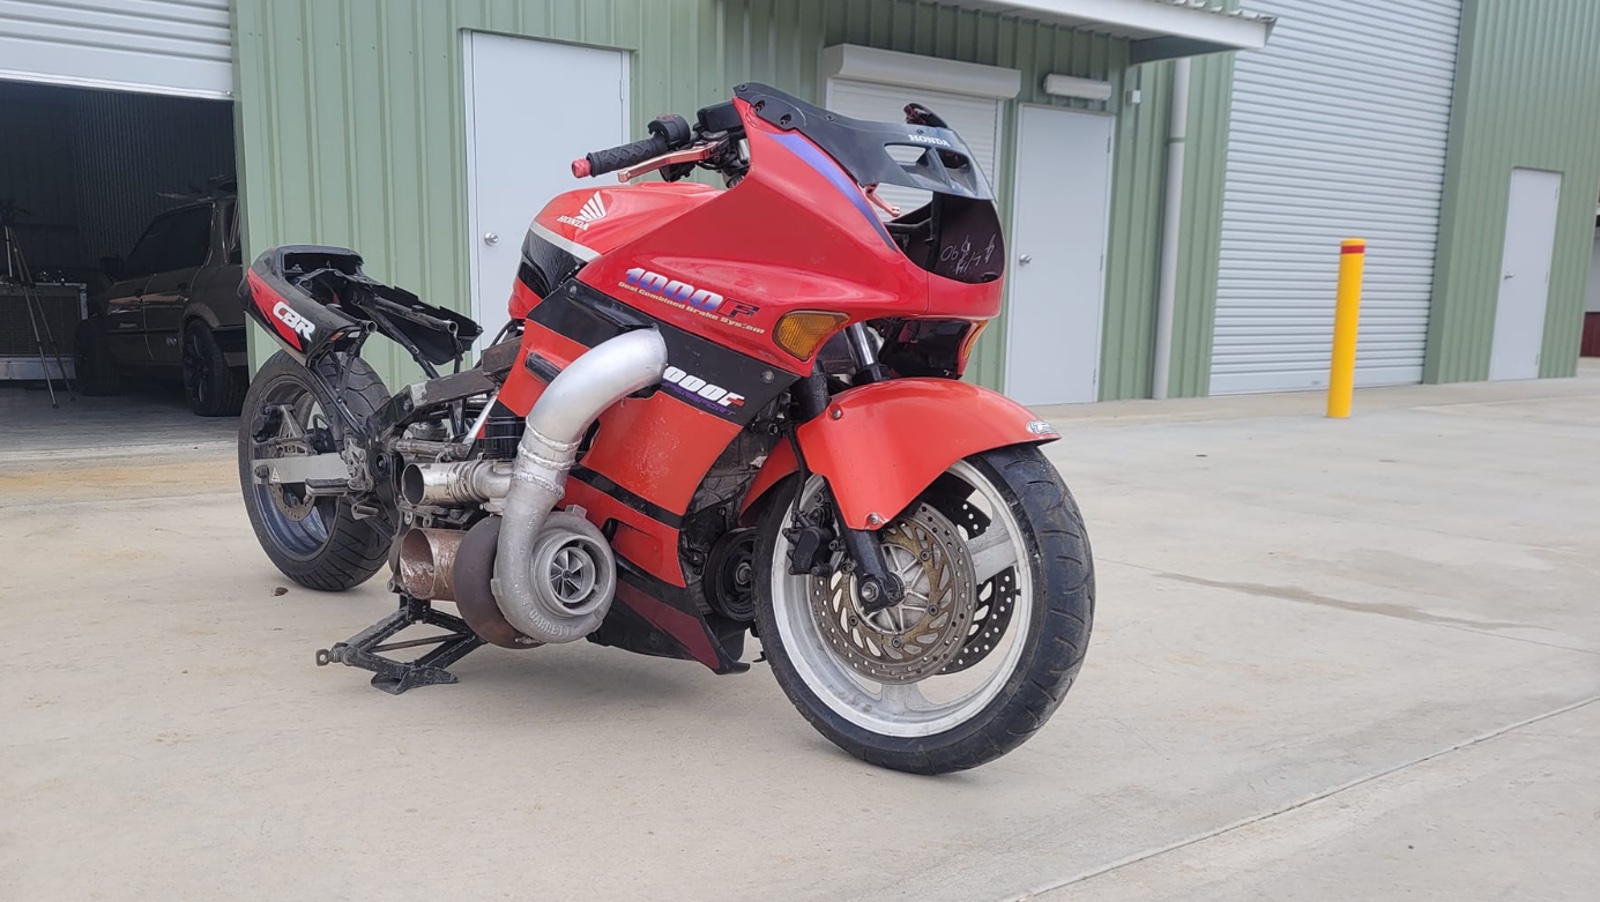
(1205, 165)
(352, 126)
(1527, 95)
(1135, 240)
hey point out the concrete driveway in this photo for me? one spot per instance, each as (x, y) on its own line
(1332, 660)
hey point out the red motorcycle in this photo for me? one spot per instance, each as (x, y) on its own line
(715, 411)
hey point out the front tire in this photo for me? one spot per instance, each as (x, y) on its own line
(315, 541)
(1021, 636)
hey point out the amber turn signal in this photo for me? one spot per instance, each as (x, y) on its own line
(803, 331)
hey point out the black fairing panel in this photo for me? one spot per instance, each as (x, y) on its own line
(544, 266)
(327, 288)
(946, 165)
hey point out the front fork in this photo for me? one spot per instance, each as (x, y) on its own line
(875, 585)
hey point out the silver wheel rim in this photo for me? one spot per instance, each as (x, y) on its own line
(938, 703)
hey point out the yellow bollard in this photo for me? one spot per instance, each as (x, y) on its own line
(1346, 318)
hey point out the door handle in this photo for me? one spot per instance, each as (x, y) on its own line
(491, 239)
(1509, 275)
(1025, 259)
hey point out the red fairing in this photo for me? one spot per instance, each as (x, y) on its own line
(604, 218)
(796, 233)
(929, 423)
(785, 238)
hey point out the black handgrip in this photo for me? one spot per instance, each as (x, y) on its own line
(611, 159)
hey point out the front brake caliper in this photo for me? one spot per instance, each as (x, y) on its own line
(812, 542)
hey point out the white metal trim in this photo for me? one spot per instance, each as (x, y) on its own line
(471, 143)
(1071, 86)
(72, 81)
(1142, 19)
(859, 63)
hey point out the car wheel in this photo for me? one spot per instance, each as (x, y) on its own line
(97, 370)
(208, 382)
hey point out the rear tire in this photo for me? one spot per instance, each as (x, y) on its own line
(96, 368)
(1045, 641)
(318, 543)
(208, 382)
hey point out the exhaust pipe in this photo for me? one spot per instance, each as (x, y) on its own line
(456, 485)
(602, 376)
(427, 563)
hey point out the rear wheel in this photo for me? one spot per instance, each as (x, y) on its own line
(208, 382)
(991, 633)
(315, 540)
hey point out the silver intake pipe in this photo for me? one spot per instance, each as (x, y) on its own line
(456, 485)
(602, 376)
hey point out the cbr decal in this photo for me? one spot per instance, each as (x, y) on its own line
(684, 296)
(296, 323)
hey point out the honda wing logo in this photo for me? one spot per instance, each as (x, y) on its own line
(593, 209)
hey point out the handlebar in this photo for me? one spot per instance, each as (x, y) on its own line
(611, 159)
(667, 133)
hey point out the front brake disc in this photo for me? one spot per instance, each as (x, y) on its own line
(916, 638)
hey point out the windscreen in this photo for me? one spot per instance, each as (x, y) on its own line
(944, 166)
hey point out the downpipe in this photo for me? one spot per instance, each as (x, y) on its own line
(602, 376)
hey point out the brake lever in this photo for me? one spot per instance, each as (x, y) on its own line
(695, 154)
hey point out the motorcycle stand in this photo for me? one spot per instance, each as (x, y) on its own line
(364, 649)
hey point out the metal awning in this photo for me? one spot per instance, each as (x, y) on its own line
(1155, 29)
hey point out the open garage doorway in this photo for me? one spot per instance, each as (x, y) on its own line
(124, 207)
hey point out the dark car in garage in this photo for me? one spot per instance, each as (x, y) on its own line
(173, 309)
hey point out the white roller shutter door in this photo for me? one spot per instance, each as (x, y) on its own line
(179, 47)
(975, 119)
(1339, 130)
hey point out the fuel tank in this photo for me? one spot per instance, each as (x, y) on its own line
(577, 226)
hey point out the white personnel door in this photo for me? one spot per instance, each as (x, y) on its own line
(532, 108)
(1058, 245)
(1525, 274)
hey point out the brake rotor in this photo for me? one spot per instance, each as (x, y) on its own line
(296, 440)
(916, 638)
(996, 596)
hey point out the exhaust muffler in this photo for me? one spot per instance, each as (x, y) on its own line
(427, 563)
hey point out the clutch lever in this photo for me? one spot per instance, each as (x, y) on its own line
(697, 154)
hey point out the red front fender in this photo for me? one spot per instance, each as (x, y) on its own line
(881, 444)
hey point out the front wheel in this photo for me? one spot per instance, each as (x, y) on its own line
(982, 649)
